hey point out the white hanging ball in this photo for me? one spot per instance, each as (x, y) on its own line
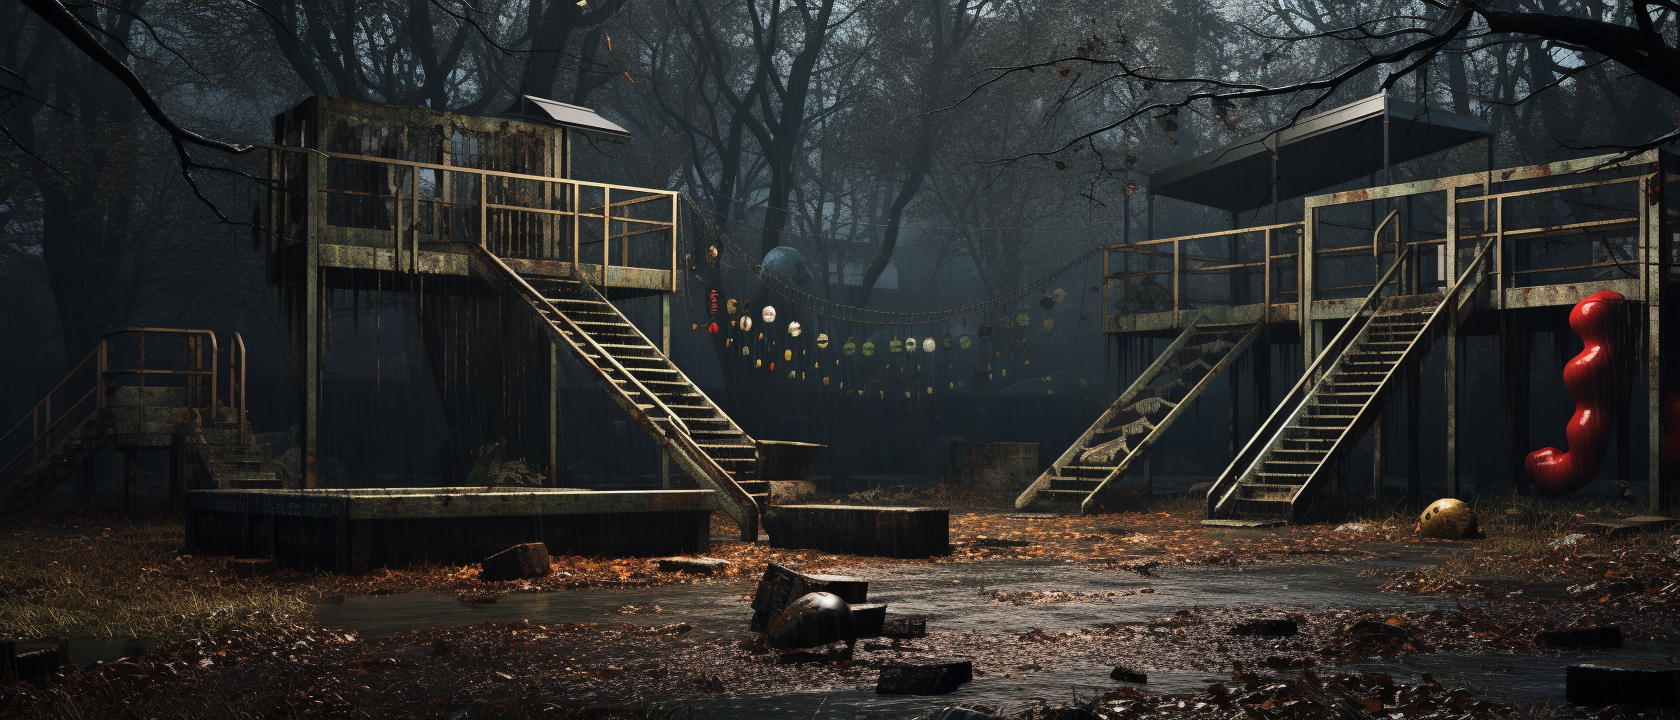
(928, 345)
(769, 313)
(794, 329)
(910, 344)
(746, 323)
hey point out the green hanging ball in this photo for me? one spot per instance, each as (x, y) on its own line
(868, 348)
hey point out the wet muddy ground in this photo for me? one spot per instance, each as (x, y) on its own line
(1044, 606)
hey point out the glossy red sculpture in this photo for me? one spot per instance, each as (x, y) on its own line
(1591, 380)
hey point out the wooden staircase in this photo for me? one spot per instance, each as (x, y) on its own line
(1288, 460)
(1091, 469)
(693, 430)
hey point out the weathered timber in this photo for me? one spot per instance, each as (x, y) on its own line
(781, 585)
(521, 562)
(361, 529)
(877, 531)
(935, 677)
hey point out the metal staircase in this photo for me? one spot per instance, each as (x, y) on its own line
(693, 430)
(1093, 466)
(1285, 464)
(155, 406)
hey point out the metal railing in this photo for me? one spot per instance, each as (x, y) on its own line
(124, 358)
(1137, 270)
(396, 205)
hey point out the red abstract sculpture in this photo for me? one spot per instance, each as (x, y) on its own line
(1591, 380)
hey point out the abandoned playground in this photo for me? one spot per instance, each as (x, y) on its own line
(605, 539)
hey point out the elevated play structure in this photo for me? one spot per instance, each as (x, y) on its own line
(1370, 281)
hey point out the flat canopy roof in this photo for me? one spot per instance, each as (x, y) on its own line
(554, 112)
(1322, 151)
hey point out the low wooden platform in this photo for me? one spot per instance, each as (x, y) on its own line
(898, 532)
(356, 530)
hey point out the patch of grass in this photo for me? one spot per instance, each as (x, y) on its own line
(91, 576)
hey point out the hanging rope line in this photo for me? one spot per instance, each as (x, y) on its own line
(852, 313)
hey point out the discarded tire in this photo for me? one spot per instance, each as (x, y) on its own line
(811, 621)
(930, 678)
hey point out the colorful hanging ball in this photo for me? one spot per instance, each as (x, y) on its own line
(746, 323)
(947, 342)
(794, 329)
(965, 341)
(929, 345)
(822, 340)
(1005, 322)
(910, 345)
(712, 328)
(868, 348)
(731, 306)
(711, 254)
(849, 348)
(1059, 296)
(769, 313)
(1049, 324)
(1023, 320)
(787, 354)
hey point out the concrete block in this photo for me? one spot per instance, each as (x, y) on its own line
(781, 585)
(784, 460)
(1643, 683)
(1002, 467)
(876, 531)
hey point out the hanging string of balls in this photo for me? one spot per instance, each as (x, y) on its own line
(916, 373)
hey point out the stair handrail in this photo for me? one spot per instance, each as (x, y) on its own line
(521, 284)
(1447, 300)
(1184, 403)
(1291, 405)
(44, 434)
(696, 386)
(1030, 494)
(747, 506)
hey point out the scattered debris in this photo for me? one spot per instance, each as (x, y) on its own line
(869, 618)
(957, 713)
(520, 562)
(904, 628)
(781, 585)
(934, 677)
(984, 541)
(1128, 675)
(1605, 636)
(1353, 527)
(1243, 523)
(252, 567)
(1641, 683)
(693, 565)
(1268, 628)
(1626, 527)
(1570, 540)
(639, 609)
(1036, 597)
(816, 619)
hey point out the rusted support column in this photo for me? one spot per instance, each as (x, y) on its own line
(665, 347)
(1514, 343)
(1378, 441)
(553, 414)
(1652, 273)
(309, 330)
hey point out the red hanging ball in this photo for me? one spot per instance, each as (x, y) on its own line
(712, 328)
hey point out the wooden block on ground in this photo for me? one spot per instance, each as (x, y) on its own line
(869, 618)
(1606, 636)
(781, 585)
(876, 531)
(1624, 682)
(694, 565)
(931, 677)
(904, 627)
(523, 561)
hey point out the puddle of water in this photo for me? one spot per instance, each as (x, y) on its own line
(955, 596)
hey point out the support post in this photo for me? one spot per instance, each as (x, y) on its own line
(309, 331)
(665, 347)
(1653, 273)
(1414, 450)
(1378, 440)
(553, 414)
(1514, 345)
(1449, 379)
